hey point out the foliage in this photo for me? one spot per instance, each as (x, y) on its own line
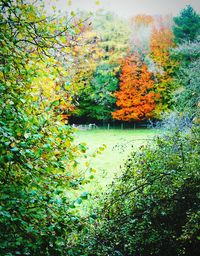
(153, 208)
(186, 28)
(142, 20)
(38, 162)
(186, 97)
(136, 99)
(161, 41)
(84, 59)
(46, 66)
(141, 27)
(96, 100)
(164, 66)
(114, 36)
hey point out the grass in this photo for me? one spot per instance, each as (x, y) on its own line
(119, 144)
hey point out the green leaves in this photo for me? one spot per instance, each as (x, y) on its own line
(97, 100)
(155, 200)
(186, 27)
(38, 160)
(84, 195)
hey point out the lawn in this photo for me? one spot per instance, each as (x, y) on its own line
(119, 144)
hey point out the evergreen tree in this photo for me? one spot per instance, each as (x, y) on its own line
(187, 25)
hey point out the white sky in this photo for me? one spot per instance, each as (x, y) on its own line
(127, 8)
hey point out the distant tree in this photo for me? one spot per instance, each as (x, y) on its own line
(142, 20)
(141, 26)
(136, 99)
(187, 25)
(97, 100)
(187, 96)
(114, 36)
(160, 42)
(163, 66)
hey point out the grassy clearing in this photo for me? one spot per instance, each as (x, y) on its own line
(119, 144)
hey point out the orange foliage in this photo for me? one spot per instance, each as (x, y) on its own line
(142, 20)
(135, 99)
(161, 41)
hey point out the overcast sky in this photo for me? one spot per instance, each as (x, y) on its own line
(127, 8)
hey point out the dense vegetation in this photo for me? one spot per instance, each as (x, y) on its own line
(153, 207)
(136, 71)
(38, 156)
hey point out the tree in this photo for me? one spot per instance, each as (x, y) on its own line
(163, 66)
(160, 42)
(38, 158)
(187, 95)
(114, 36)
(97, 100)
(84, 57)
(187, 25)
(141, 26)
(136, 99)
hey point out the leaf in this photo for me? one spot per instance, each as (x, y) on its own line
(79, 200)
(85, 195)
(73, 13)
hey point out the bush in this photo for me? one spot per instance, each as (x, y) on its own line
(153, 208)
(38, 156)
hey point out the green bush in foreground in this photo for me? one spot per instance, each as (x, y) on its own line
(38, 156)
(153, 208)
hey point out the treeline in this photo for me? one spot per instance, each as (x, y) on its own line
(134, 75)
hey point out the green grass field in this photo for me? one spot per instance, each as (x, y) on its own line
(119, 144)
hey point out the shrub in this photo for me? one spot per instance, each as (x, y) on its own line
(153, 208)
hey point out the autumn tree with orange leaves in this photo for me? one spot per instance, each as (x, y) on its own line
(160, 43)
(136, 99)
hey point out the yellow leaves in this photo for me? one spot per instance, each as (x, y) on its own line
(23, 6)
(69, 2)
(73, 13)
(93, 170)
(67, 143)
(46, 87)
(51, 60)
(52, 30)
(20, 36)
(161, 41)
(13, 145)
(77, 30)
(57, 88)
(67, 50)
(31, 17)
(63, 39)
(87, 164)
(19, 134)
(35, 98)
